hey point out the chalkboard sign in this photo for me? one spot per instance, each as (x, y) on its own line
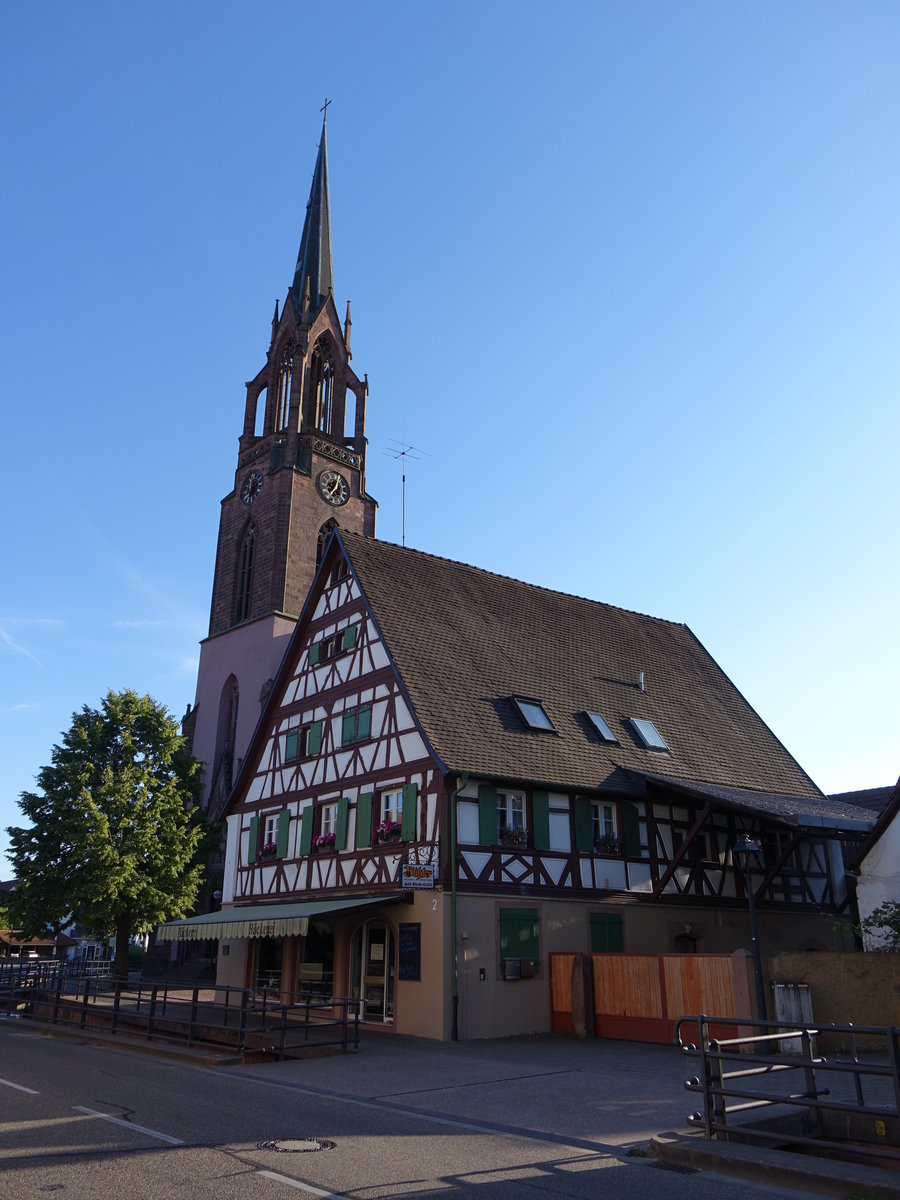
(410, 965)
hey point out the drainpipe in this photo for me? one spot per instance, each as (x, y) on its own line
(463, 781)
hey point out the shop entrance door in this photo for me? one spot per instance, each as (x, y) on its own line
(372, 971)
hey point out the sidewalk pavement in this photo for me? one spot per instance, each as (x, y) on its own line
(604, 1093)
(615, 1096)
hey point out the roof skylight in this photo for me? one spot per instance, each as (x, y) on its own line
(532, 713)
(602, 728)
(649, 734)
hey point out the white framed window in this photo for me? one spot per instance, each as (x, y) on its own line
(329, 819)
(392, 806)
(603, 820)
(511, 817)
(270, 829)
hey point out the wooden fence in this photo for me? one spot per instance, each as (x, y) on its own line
(640, 996)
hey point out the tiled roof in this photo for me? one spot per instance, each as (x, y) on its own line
(796, 809)
(466, 641)
(873, 799)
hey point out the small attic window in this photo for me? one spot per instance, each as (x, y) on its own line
(532, 713)
(648, 733)
(602, 728)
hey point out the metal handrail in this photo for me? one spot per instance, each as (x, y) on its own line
(727, 1092)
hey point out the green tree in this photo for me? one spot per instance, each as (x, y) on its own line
(882, 927)
(115, 829)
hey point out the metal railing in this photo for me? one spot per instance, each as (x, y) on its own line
(19, 980)
(228, 1019)
(775, 1071)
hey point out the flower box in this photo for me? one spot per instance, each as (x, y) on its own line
(324, 841)
(269, 850)
(387, 831)
(608, 845)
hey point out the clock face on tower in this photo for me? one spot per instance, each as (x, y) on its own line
(333, 487)
(252, 487)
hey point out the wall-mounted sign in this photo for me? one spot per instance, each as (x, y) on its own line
(417, 875)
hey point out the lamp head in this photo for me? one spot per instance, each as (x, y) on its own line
(745, 845)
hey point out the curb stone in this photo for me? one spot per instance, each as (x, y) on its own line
(828, 1176)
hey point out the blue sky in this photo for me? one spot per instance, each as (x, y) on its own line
(627, 272)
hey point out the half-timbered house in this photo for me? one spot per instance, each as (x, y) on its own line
(457, 774)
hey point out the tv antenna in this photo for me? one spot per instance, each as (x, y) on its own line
(403, 451)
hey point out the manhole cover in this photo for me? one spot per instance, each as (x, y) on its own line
(297, 1145)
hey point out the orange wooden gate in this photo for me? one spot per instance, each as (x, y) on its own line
(641, 996)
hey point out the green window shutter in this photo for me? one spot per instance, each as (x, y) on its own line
(409, 821)
(632, 830)
(348, 728)
(584, 825)
(364, 725)
(350, 636)
(606, 933)
(281, 839)
(540, 812)
(290, 745)
(314, 651)
(253, 840)
(488, 821)
(364, 820)
(519, 933)
(306, 830)
(314, 741)
(340, 825)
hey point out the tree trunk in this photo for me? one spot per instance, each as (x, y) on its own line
(123, 935)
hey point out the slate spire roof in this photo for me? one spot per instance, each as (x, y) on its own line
(314, 256)
(466, 642)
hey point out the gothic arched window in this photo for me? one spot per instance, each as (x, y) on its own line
(324, 536)
(244, 590)
(283, 394)
(323, 385)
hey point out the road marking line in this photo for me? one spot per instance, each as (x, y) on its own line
(162, 1137)
(301, 1187)
(18, 1087)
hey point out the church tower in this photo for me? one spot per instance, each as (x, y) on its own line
(300, 471)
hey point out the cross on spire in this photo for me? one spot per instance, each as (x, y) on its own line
(324, 109)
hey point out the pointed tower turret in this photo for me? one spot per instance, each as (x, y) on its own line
(314, 257)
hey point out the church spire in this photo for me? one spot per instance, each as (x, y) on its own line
(314, 256)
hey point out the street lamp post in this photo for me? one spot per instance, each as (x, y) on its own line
(741, 853)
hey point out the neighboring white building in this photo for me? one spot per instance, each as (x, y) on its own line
(878, 866)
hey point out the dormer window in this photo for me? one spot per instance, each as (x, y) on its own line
(648, 733)
(532, 713)
(602, 728)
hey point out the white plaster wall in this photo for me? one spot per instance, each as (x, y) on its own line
(879, 875)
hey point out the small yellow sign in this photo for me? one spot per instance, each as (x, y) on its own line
(880, 1128)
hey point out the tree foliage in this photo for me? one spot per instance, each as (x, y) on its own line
(115, 830)
(881, 928)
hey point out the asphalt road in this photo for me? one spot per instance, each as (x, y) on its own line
(81, 1120)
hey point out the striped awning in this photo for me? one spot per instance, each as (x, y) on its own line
(262, 920)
